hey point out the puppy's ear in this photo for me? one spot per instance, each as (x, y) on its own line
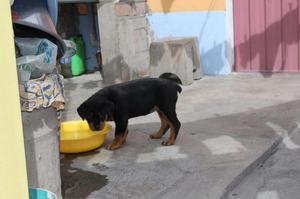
(81, 110)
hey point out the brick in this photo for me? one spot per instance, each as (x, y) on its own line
(141, 8)
(82, 8)
(124, 9)
(131, 9)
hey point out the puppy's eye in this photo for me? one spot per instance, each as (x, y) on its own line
(100, 115)
(89, 116)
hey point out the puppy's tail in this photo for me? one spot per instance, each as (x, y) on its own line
(174, 78)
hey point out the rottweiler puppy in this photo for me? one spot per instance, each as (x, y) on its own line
(123, 101)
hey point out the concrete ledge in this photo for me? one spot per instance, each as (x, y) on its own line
(42, 149)
(176, 55)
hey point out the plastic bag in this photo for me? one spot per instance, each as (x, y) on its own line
(38, 54)
(37, 46)
(70, 49)
(36, 64)
(24, 72)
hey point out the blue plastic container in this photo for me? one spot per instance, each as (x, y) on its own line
(37, 193)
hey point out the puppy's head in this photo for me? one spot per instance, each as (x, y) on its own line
(96, 112)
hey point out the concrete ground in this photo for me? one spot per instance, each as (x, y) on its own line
(279, 176)
(229, 126)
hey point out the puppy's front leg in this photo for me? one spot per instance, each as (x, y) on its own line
(120, 136)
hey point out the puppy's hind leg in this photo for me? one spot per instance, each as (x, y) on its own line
(163, 128)
(174, 125)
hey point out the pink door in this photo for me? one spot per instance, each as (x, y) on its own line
(266, 34)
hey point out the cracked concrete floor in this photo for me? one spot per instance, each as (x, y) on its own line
(227, 124)
(279, 176)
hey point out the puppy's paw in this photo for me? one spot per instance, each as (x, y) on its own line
(167, 143)
(113, 146)
(155, 136)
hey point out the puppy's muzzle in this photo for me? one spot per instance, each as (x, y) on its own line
(97, 127)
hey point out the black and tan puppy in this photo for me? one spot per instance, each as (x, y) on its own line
(123, 101)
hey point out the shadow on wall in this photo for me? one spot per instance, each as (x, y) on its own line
(166, 5)
(269, 50)
(117, 70)
(214, 60)
(212, 64)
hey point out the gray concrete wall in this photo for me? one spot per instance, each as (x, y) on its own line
(109, 41)
(125, 41)
(127, 51)
(42, 149)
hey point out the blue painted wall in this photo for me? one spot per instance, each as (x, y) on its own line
(85, 28)
(208, 26)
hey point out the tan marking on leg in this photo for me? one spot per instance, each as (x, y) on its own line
(164, 125)
(118, 141)
(171, 139)
(125, 136)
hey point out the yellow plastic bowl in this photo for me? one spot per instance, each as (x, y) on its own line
(76, 137)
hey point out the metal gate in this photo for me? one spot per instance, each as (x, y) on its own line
(266, 35)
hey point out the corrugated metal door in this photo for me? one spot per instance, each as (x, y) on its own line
(266, 35)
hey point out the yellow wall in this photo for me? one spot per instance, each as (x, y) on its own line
(185, 5)
(13, 177)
